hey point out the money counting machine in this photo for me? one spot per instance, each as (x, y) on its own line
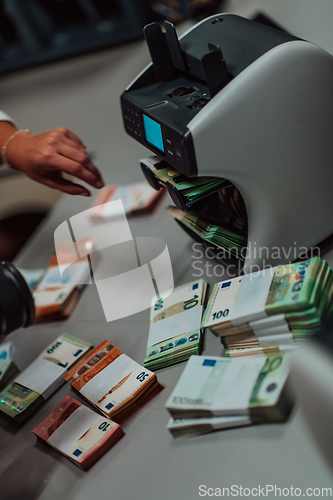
(239, 100)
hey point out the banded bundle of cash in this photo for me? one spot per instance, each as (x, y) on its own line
(175, 320)
(77, 432)
(116, 384)
(229, 241)
(42, 377)
(32, 276)
(138, 197)
(8, 368)
(218, 393)
(183, 190)
(272, 310)
(55, 296)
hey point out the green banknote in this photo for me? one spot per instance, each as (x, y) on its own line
(219, 387)
(191, 189)
(229, 241)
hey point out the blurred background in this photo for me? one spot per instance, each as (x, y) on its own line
(37, 32)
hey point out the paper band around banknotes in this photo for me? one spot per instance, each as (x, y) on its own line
(179, 324)
(116, 371)
(73, 428)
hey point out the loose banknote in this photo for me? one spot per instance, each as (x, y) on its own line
(175, 320)
(221, 387)
(113, 382)
(42, 377)
(138, 197)
(271, 310)
(77, 432)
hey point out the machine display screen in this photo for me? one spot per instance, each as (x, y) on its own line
(153, 132)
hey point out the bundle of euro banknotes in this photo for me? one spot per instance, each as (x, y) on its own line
(218, 393)
(113, 382)
(183, 190)
(77, 432)
(175, 319)
(27, 392)
(231, 242)
(270, 311)
(56, 295)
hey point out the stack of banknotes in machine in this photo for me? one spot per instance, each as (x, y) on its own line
(270, 311)
(8, 368)
(219, 393)
(229, 241)
(183, 190)
(77, 432)
(56, 295)
(137, 198)
(175, 321)
(21, 397)
(116, 384)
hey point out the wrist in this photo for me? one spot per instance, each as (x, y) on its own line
(13, 147)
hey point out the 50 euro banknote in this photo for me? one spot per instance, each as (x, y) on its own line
(113, 382)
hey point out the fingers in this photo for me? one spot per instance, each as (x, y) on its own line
(70, 135)
(75, 162)
(94, 170)
(55, 181)
(83, 167)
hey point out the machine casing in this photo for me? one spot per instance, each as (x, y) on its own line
(265, 124)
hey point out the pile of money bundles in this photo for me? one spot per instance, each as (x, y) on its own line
(175, 320)
(41, 378)
(77, 432)
(217, 393)
(270, 311)
(113, 382)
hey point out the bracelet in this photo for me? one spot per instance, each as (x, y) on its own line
(4, 147)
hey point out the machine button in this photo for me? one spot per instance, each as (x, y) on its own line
(179, 153)
(168, 141)
(170, 152)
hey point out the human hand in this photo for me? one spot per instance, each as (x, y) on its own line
(44, 157)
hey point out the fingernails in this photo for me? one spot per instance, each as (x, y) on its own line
(99, 184)
(84, 193)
